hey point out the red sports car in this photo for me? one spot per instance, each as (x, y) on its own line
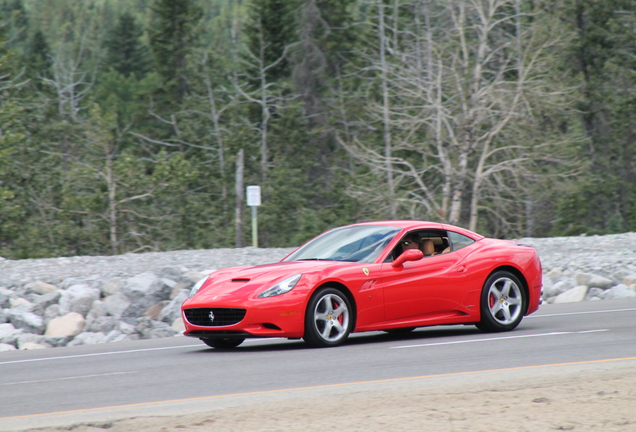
(388, 275)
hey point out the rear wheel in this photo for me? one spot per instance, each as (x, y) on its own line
(328, 319)
(223, 343)
(503, 302)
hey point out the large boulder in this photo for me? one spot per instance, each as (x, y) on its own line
(560, 287)
(116, 304)
(27, 321)
(45, 300)
(172, 310)
(88, 338)
(630, 279)
(9, 334)
(593, 280)
(68, 325)
(31, 341)
(143, 291)
(78, 298)
(617, 292)
(111, 286)
(575, 294)
(40, 287)
(7, 347)
(103, 324)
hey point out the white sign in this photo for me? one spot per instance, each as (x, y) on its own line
(253, 196)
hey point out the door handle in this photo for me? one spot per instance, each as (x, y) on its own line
(461, 269)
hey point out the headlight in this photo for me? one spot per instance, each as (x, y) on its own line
(281, 287)
(195, 289)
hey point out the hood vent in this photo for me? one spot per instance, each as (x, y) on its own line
(241, 280)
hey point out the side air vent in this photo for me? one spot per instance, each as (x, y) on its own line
(240, 280)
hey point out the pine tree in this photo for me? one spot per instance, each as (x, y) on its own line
(271, 30)
(37, 56)
(125, 52)
(173, 36)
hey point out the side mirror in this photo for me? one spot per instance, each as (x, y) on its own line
(408, 255)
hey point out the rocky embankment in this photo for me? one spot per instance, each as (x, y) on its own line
(85, 300)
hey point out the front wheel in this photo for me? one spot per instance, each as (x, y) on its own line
(223, 343)
(503, 302)
(328, 319)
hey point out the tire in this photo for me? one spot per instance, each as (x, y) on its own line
(223, 343)
(503, 302)
(328, 319)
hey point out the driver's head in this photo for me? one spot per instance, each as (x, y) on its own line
(411, 241)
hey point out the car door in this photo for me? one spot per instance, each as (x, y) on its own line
(432, 284)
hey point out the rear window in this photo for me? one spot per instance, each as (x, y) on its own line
(459, 241)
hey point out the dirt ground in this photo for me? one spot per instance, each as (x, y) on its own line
(559, 398)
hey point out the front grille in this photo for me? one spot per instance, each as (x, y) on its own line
(222, 316)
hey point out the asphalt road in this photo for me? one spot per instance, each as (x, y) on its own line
(54, 386)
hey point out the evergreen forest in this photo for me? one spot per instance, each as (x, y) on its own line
(136, 125)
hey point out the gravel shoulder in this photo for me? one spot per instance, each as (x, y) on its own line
(579, 397)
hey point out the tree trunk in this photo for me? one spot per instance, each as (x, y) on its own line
(240, 198)
(386, 120)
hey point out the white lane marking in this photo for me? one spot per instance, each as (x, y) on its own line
(498, 339)
(96, 354)
(65, 379)
(580, 313)
(112, 353)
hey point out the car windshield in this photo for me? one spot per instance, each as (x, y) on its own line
(360, 243)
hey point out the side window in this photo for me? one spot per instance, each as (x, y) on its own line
(458, 240)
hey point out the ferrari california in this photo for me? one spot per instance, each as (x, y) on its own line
(389, 276)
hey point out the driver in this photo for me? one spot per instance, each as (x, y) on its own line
(410, 241)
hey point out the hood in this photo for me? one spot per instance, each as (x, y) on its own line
(248, 281)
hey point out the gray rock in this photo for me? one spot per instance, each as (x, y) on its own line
(601, 282)
(629, 279)
(7, 347)
(5, 295)
(48, 299)
(32, 346)
(27, 321)
(68, 325)
(28, 338)
(560, 287)
(617, 292)
(56, 341)
(594, 294)
(103, 324)
(150, 329)
(9, 334)
(98, 309)
(126, 328)
(40, 287)
(143, 291)
(88, 338)
(172, 310)
(146, 285)
(78, 298)
(93, 281)
(115, 336)
(116, 304)
(111, 286)
(575, 294)
(50, 313)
